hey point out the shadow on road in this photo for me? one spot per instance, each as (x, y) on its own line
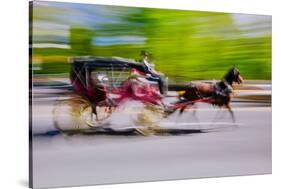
(124, 132)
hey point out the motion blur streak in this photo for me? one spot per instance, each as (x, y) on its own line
(185, 45)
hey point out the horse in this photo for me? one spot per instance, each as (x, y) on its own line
(216, 93)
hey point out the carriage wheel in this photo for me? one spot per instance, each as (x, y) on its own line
(73, 115)
(147, 119)
(104, 111)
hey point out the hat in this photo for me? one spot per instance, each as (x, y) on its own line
(144, 53)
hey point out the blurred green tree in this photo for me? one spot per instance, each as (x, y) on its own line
(81, 41)
(185, 45)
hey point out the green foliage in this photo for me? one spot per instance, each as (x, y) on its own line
(80, 40)
(185, 45)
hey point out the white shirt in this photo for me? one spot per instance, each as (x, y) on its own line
(148, 65)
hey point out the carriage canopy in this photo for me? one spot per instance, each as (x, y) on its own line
(90, 72)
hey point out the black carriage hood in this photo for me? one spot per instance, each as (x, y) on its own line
(116, 63)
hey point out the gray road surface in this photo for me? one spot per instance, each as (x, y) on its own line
(85, 160)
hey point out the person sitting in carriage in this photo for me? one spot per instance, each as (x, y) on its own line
(137, 88)
(151, 73)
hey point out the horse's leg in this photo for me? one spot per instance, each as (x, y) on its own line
(228, 107)
(217, 116)
(170, 109)
(194, 112)
(182, 110)
(187, 107)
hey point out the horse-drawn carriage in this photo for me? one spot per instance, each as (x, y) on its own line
(101, 85)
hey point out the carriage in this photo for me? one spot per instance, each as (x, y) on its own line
(101, 85)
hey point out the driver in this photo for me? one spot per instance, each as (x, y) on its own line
(151, 73)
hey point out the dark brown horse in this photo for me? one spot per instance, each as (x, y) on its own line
(215, 93)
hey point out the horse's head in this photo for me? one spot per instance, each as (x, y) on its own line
(233, 76)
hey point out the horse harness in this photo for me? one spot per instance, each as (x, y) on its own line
(222, 88)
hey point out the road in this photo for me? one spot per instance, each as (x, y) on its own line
(101, 159)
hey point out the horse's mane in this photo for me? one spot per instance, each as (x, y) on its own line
(230, 75)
